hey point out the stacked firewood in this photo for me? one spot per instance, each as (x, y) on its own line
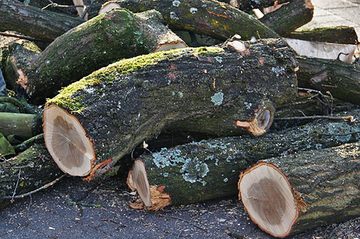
(82, 95)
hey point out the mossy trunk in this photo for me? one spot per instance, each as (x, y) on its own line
(337, 34)
(98, 42)
(341, 79)
(21, 125)
(30, 170)
(289, 17)
(209, 169)
(40, 24)
(132, 100)
(206, 17)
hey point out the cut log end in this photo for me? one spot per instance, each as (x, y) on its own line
(152, 196)
(268, 198)
(67, 142)
(261, 121)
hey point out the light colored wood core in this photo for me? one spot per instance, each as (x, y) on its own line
(67, 142)
(268, 198)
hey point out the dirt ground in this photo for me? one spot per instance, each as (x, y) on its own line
(75, 209)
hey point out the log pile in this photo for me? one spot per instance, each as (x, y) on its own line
(124, 77)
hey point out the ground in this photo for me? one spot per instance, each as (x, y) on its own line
(103, 212)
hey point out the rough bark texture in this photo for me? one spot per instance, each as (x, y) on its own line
(289, 17)
(134, 99)
(329, 182)
(208, 169)
(341, 79)
(30, 170)
(207, 17)
(103, 40)
(339, 34)
(15, 56)
(40, 24)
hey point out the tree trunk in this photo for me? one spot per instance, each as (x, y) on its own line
(30, 170)
(44, 25)
(96, 43)
(133, 100)
(341, 79)
(289, 17)
(206, 17)
(209, 169)
(338, 34)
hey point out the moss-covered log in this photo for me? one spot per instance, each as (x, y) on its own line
(341, 79)
(132, 100)
(30, 170)
(40, 24)
(206, 17)
(96, 43)
(338, 34)
(209, 169)
(289, 17)
(22, 125)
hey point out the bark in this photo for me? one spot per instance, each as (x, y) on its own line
(98, 42)
(329, 183)
(206, 17)
(209, 169)
(289, 17)
(134, 99)
(44, 25)
(341, 79)
(15, 56)
(339, 34)
(30, 170)
(21, 125)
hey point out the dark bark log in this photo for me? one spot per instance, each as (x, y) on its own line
(329, 182)
(98, 42)
(289, 17)
(39, 24)
(30, 170)
(209, 169)
(207, 17)
(341, 79)
(15, 56)
(339, 34)
(132, 100)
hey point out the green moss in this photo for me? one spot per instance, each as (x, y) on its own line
(108, 75)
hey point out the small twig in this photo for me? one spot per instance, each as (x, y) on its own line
(17, 184)
(21, 37)
(34, 191)
(350, 118)
(27, 143)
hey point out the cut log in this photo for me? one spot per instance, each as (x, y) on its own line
(209, 169)
(44, 25)
(205, 17)
(15, 56)
(125, 103)
(344, 52)
(338, 34)
(269, 199)
(98, 42)
(30, 170)
(21, 125)
(341, 79)
(289, 17)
